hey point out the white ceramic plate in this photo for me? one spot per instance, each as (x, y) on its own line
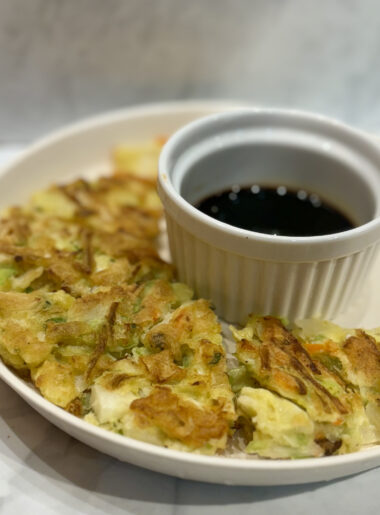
(83, 149)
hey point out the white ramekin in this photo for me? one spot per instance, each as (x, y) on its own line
(246, 272)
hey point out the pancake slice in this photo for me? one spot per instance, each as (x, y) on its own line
(280, 362)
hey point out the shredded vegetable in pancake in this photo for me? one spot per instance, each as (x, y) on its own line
(98, 322)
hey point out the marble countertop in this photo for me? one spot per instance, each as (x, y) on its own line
(45, 471)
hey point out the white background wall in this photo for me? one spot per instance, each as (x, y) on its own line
(64, 59)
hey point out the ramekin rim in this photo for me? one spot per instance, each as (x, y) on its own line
(239, 233)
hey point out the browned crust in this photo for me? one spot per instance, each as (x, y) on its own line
(179, 419)
(161, 367)
(98, 352)
(75, 407)
(88, 259)
(286, 367)
(364, 357)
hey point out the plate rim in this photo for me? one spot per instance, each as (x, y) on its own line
(118, 115)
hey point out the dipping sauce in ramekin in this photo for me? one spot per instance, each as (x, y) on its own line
(276, 210)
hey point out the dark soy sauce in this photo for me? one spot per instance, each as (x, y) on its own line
(272, 210)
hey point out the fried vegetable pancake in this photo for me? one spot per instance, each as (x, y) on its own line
(93, 316)
(173, 389)
(316, 396)
(96, 319)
